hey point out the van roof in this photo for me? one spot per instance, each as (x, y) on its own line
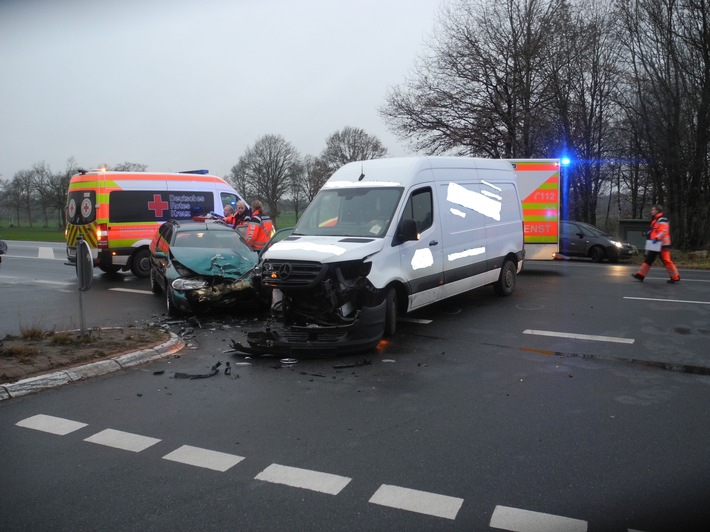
(398, 171)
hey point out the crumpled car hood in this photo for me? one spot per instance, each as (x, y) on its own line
(216, 262)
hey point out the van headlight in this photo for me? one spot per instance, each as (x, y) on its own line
(189, 284)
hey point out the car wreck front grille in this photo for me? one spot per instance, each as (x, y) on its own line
(292, 274)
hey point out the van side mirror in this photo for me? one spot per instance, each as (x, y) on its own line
(407, 231)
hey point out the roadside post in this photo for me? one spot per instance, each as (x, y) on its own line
(84, 273)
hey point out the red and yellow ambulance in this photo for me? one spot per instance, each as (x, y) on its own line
(117, 213)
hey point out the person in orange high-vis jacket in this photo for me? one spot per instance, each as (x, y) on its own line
(659, 232)
(257, 228)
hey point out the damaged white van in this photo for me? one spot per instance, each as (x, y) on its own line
(384, 237)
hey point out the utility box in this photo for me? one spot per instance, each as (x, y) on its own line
(634, 232)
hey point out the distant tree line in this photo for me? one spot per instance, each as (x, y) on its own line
(621, 86)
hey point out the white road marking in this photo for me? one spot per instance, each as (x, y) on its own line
(669, 300)
(415, 320)
(196, 456)
(45, 253)
(131, 290)
(304, 478)
(518, 520)
(417, 501)
(580, 336)
(51, 424)
(122, 440)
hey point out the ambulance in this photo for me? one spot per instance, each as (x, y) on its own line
(117, 213)
(539, 186)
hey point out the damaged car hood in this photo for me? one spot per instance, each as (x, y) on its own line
(324, 249)
(222, 262)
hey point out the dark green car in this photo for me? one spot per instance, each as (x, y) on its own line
(201, 265)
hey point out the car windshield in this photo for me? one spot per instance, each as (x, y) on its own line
(354, 212)
(210, 240)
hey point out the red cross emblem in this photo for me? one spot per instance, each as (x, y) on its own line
(158, 205)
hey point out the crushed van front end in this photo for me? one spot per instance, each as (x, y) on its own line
(319, 309)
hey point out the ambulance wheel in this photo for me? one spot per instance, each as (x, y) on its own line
(505, 284)
(154, 286)
(111, 270)
(140, 264)
(390, 312)
(170, 306)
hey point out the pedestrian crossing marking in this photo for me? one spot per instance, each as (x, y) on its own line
(122, 440)
(303, 478)
(51, 424)
(417, 501)
(195, 456)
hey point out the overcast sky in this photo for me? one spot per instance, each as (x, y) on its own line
(185, 84)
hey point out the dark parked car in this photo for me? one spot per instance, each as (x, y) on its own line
(578, 239)
(200, 265)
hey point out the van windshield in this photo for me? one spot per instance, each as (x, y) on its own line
(355, 212)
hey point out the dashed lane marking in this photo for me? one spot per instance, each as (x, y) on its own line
(122, 440)
(304, 478)
(669, 300)
(417, 501)
(198, 457)
(517, 520)
(131, 291)
(51, 424)
(45, 253)
(580, 336)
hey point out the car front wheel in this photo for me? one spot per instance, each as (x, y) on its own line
(154, 286)
(169, 303)
(596, 254)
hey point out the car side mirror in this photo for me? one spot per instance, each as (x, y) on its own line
(407, 231)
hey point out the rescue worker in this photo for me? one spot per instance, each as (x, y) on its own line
(659, 232)
(229, 215)
(259, 227)
(242, 213)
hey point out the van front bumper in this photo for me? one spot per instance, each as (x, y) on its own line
(315, 341)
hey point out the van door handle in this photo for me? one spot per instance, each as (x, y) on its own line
(434, 243)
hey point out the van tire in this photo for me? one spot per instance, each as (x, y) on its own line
(390, 312)
(140, 263)
(505, 285)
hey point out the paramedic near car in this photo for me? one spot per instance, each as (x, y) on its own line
(659, 232)
(242, 213)
(259, 227)
(229, 215)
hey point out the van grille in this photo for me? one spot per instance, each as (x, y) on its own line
(292, 274)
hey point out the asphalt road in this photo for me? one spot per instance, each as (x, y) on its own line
(571, 405)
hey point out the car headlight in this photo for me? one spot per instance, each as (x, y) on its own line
(617, 244)
(189, 284)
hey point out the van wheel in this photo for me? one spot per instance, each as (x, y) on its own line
(169, 304)
(597, 254)
(154, 286)
(505, 284)
(390, 312)
(140, 264)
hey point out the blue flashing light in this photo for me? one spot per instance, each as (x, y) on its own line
(565, 161)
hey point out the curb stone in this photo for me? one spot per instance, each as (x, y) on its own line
(94, 369)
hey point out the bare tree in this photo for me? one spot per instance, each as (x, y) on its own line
(482, 89)
(348, 145)
(269, 167)
(129, 167)
(315, 175)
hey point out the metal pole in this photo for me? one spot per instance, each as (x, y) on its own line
(80, 275)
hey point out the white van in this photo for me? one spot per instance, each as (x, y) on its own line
(384, 237)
